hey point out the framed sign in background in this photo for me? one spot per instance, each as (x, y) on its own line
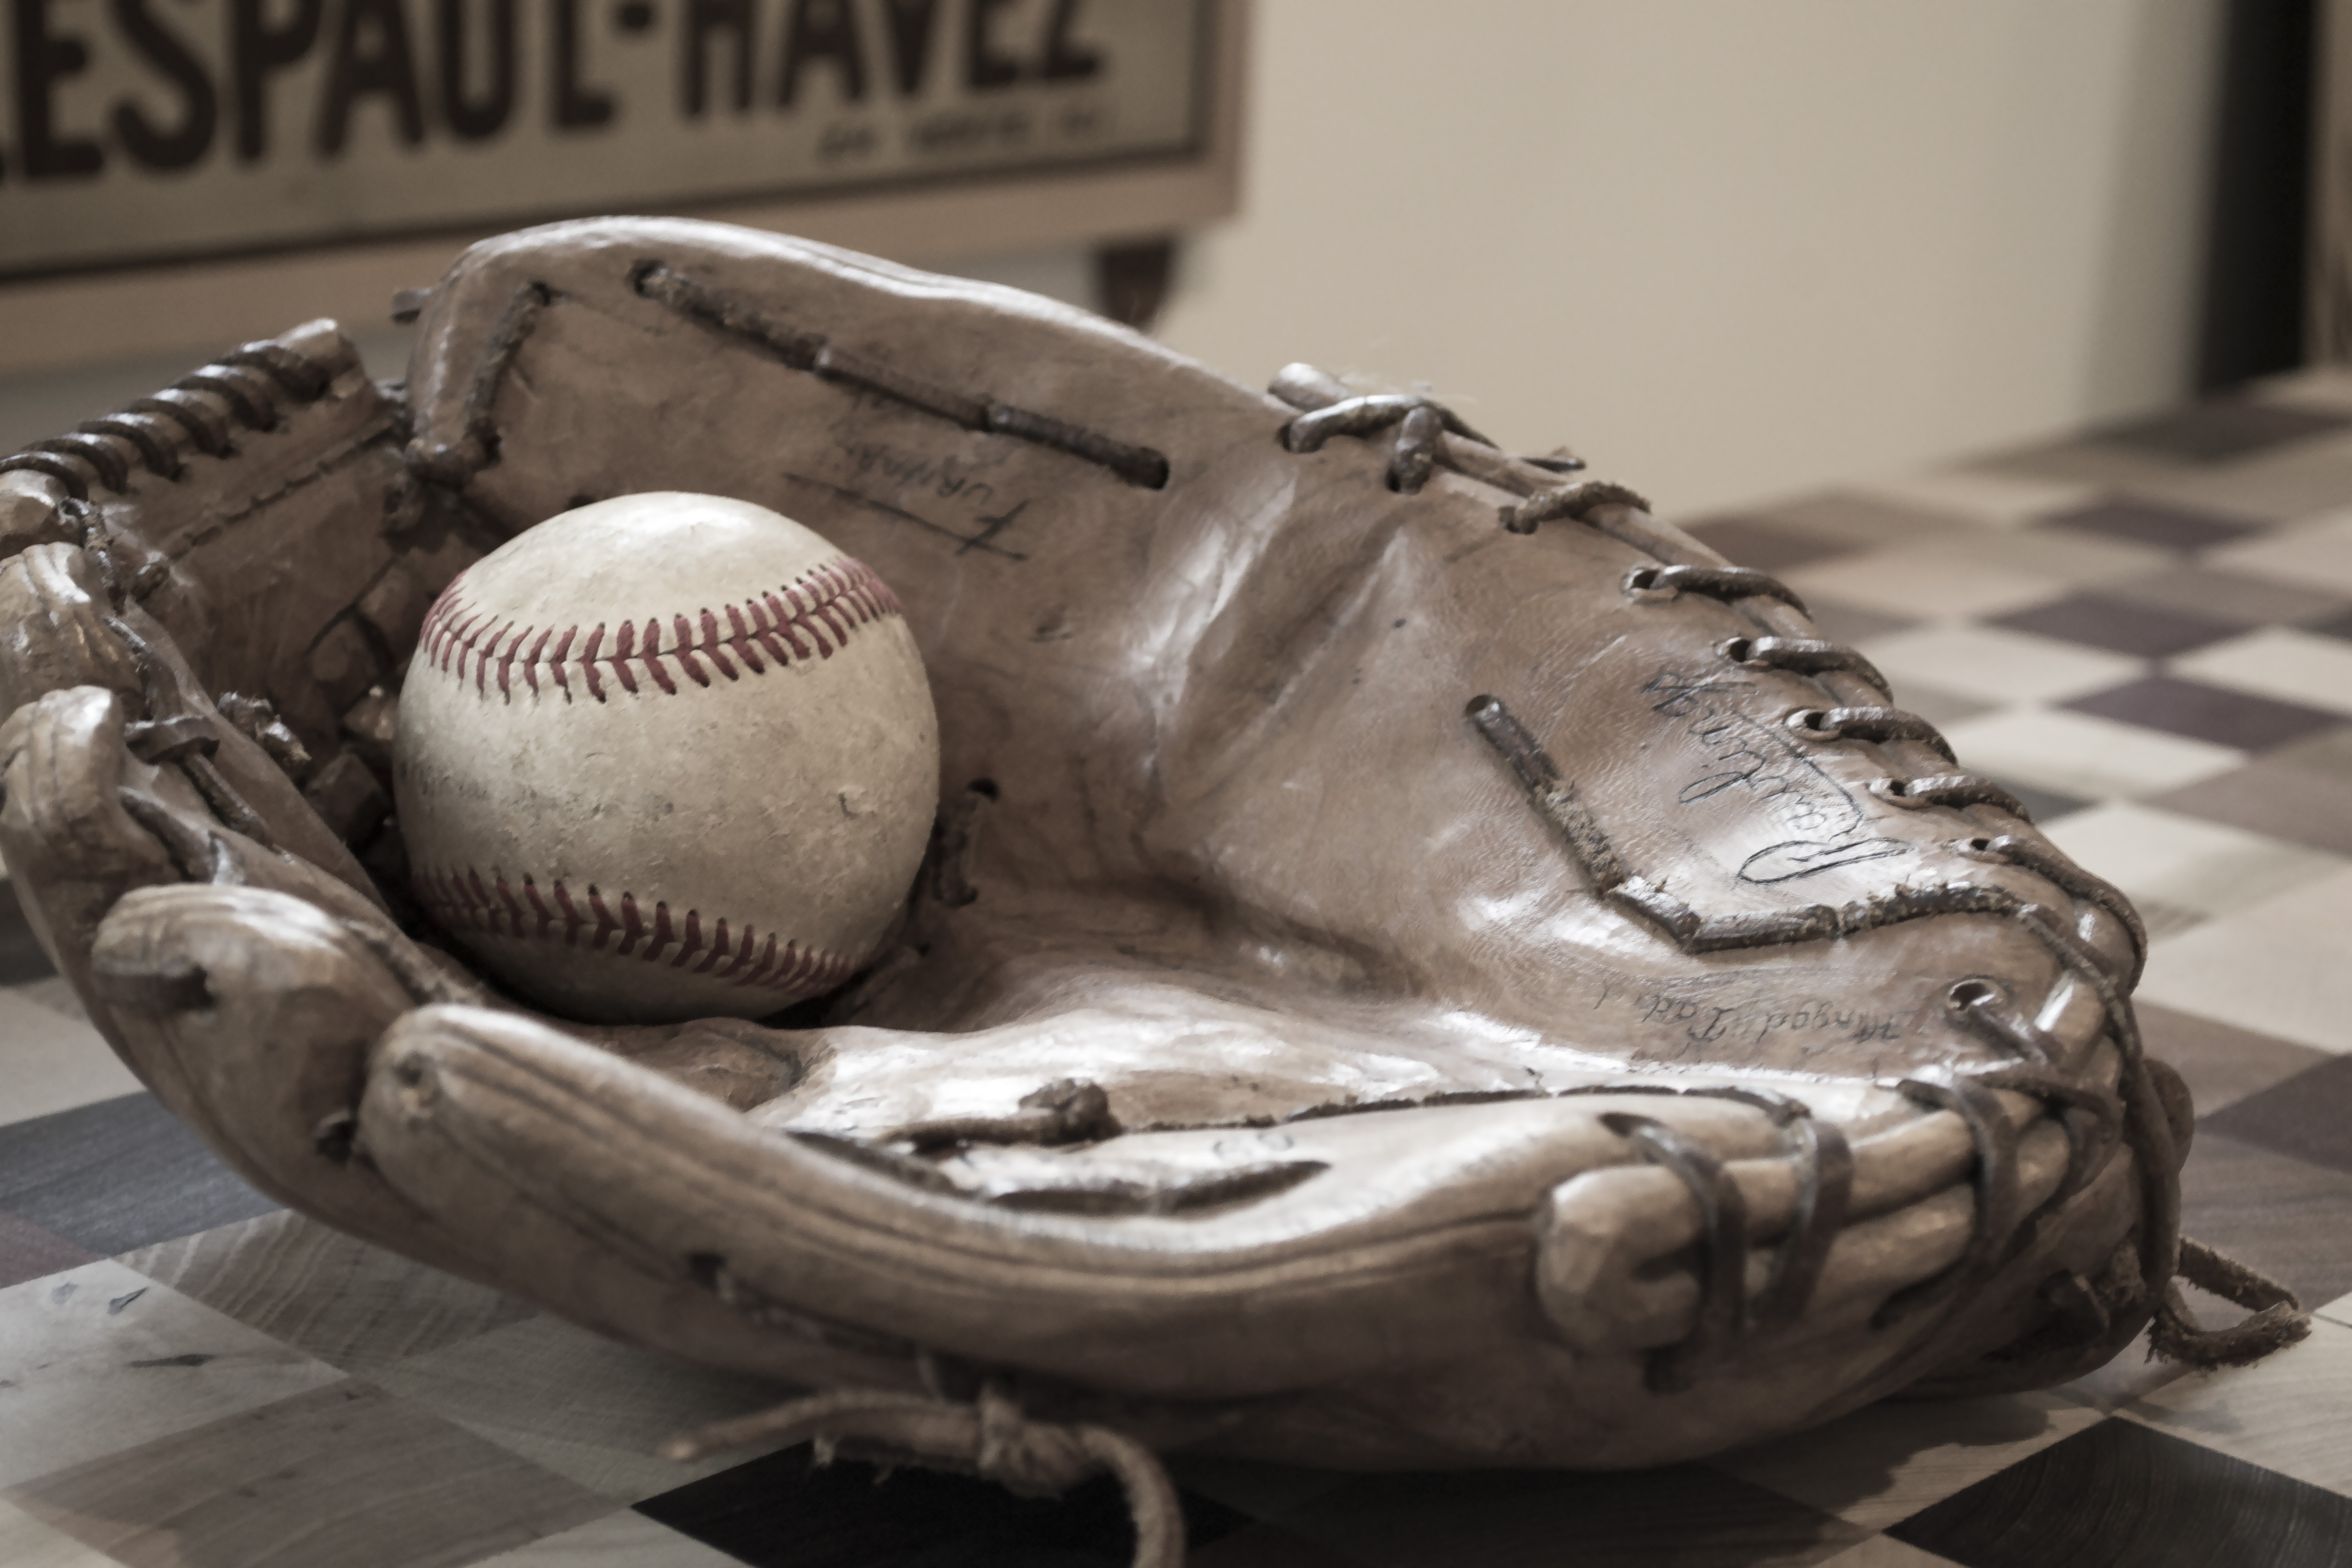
(188, 172)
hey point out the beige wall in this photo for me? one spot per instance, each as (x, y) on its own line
(1726, 248)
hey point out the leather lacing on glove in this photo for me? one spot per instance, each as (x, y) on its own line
(202, 411)
(2142, 1114)
(2146, 1110)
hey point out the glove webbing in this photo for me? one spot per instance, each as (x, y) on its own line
(1998, 1233)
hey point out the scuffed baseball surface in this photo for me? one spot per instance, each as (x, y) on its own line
(666, 756)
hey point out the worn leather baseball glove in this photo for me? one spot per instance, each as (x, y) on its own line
(1421, 964)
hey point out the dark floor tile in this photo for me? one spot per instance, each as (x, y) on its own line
(2222, 429)
(2308, 1116)
(121, 1173)
(1267, 1546)
(2287, 1217)
(2221, 1065)
(2200, 590)
(1849, 624)
(2121, 1496)
(21, 958)
(2043, 807)
(1766, 546)
(28, 1252)
(1254, 1487)
(2099, 620)
(782, 1510)
(2154, 523)
(1688, 1516)
(2300, 804)
(2204, 712)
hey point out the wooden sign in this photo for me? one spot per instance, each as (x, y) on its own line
(136, 133)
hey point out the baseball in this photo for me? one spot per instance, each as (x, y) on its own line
(666, 756)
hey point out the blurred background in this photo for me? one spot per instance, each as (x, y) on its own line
(1731, 250)
(1726, 251)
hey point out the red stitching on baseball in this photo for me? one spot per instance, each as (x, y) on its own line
(811, 616)
(606, 924)
(652, 659)
(588, 663)
(463, 901)
(632, 927)
(624, 646)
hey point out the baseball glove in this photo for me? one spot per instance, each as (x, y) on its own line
(1419, 963)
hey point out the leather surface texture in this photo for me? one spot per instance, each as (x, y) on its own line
(1419, 962)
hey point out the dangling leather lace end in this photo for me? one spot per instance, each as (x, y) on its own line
(2278, 1320)
(989, 1438)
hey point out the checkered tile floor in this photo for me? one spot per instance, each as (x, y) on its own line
(2146, 633)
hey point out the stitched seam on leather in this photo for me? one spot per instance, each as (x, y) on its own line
(735, 317)
(813, 616)
(465, 901)
(328, 463)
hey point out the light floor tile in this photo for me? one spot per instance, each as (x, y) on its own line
(2163, 920)
(576, 1402)
(2083, 754)
(1998, 665)
(100, 1358)
(2317, 554)
(2278, 661)
(2339, 1310)
(2130, 1374)
(1921, 583)
(1977, 572)
(2278, 967)
(2285, 1413)
(1885, 1552)
(1941, 708)
(52, 1063)
(1886, 1462)
(2319, 386)
(56, 993)
(2073, 560)
(28, 1542)
(342, 1476)
(350, 1304)
(2185, 861)
(622, 1540)
(1995, 499)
